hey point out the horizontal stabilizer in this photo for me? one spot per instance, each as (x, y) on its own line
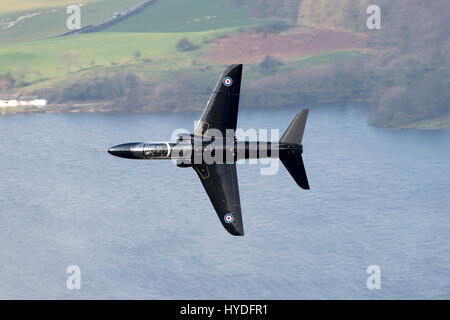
(294, 164)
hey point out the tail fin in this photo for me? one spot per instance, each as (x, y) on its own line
(292, 160)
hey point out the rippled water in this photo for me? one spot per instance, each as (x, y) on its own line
(146, 229)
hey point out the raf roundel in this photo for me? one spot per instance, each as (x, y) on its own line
(228, 218)
(227, 81)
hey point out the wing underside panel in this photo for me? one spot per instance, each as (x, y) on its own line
(221, 185)
(222, 108)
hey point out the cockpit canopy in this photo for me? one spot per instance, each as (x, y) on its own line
(156, 150)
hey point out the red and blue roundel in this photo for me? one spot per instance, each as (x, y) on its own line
(227, 81)
(228, 218)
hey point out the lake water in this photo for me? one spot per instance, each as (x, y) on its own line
(146, 229)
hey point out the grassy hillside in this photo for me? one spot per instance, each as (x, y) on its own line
(184, 16)
(102, 52)
(10, 6)
(314, 51)
(22, 21)
(43, 58)
(145, 45)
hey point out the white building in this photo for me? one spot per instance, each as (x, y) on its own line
(9, 101)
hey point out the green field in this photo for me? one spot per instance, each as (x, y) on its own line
(30, 51)
(10, 6)
(114, 52)
(144, 44)
(184, 16)
(51, 18)
(107, 52)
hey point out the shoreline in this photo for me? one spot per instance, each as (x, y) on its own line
(102, 107)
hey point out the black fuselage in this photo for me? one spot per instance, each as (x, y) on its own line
(190, 152)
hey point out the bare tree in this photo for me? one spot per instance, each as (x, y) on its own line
(70, 58)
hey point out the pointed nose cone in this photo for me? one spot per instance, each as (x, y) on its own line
(113, 150)
(128, 151)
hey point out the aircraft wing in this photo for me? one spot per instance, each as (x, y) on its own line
(221, 185)
(222, 108)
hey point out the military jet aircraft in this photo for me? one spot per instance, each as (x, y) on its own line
(212, 150)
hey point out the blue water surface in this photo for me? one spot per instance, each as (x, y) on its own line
(146, 229)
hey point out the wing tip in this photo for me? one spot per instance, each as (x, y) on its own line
(236, 233)
(236, 228)
(233, 67)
